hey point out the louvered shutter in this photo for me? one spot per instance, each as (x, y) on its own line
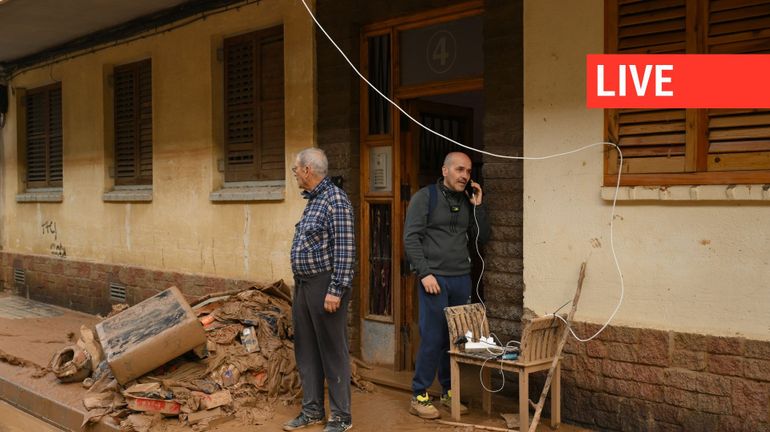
(254, 106)
(55, 138)
(43, 131)
(133, 123)
(738, 140)
(652, 141)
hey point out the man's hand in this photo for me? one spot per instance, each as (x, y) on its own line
(331, 303)
(477, 193)
(430, 284)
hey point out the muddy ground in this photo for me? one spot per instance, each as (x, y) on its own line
(34, 340)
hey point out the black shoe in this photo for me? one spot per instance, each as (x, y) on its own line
(336, 424)
(301, 421)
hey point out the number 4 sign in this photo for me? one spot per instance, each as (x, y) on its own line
(441, 51)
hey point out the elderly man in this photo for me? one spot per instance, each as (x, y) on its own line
(322, 255)
(439, 222)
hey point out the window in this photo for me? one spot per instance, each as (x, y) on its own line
(692, 146)
(43, 132)
(254, 101)
(133, 123)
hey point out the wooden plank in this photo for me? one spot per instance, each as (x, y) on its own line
(721, 5)
(740, 26)
(695, 135)
(672, 48)
(660, 27)
(653, 16)
(652, 116)
(610, 26)
(652, 41)
(555, 363)
(738, 37)
(453, 12)
(442, 87)
(739, 146)
(674, 140)
(715, 112)
(653, 165)
(651, 128)
(739, 133)
(762, 118)
(649, 6)
(739, 13)
(653, 140)
(739, 161)
(668, 151)
(751, 46)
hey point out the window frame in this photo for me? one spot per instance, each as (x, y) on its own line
(697, 158)
(254, 172)
(46, 91)
(134, 72)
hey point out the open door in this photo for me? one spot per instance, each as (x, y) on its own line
(423, 156)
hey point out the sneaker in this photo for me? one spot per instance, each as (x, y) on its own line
(422, 407)
(336, 424)
(446, 401)
(301, 421)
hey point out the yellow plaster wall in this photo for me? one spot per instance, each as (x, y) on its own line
(688, 266)
(181, 229)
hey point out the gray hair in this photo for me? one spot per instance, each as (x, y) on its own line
(314, 158)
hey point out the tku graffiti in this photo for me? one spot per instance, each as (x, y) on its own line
(56, 248)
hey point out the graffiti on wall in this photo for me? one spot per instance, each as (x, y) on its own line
(56, 248)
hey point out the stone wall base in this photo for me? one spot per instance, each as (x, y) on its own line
(631, 379)
(85, 286)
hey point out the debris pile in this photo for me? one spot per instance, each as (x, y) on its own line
(246, 364)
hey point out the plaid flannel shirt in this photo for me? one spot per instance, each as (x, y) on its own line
(323, 238)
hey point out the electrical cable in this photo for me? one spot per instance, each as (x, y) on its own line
(551, 156)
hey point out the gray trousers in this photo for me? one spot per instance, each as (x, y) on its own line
(321, 348)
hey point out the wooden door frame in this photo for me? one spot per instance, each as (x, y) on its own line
(398, 94)
(409, 306)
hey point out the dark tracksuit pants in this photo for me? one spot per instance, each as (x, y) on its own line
(434, 332)
(321, 347)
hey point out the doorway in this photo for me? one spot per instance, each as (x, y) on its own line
(431, 65)
(423, 156)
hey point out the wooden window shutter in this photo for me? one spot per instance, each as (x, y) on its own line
(133, 123)
(652, 141)
(43, 108)
(738, 140)
(254, 106)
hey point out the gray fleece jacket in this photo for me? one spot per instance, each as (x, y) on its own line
(439, 246)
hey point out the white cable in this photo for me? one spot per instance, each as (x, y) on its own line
(429, 130)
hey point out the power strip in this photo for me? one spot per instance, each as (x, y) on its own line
(478, 346)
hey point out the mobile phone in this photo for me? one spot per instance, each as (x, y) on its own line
(469, 189)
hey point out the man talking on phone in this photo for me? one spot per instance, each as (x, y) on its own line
(439, 222)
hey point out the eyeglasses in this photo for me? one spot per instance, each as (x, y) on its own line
(295, 168)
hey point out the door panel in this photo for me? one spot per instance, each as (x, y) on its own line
(423, 156)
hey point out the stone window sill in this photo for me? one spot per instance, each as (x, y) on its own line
(750, 192)
(138, 193)
(44, 195)
(250, 192)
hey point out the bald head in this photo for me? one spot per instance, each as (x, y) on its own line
(455, 157)
(456, 171)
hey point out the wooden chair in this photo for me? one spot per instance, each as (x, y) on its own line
(539, 343)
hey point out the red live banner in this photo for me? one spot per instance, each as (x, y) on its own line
(678, 80)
